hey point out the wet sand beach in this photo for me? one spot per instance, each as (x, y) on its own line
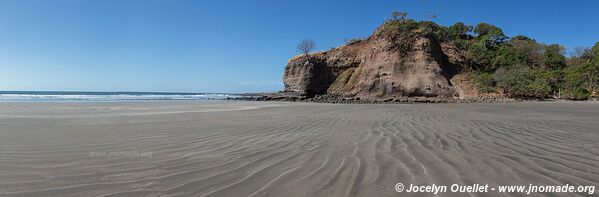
(220, 148)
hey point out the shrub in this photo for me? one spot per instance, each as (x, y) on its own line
(401, 34)
(577, 93)
(520, 81)
(539, 88)
(484, 81)
(520, 66)
(353, 41)
(575, 83)
(460, 43)
(400, 27)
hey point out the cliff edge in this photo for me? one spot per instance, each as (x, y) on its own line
(394, 62)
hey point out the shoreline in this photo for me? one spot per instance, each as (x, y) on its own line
(403, 100)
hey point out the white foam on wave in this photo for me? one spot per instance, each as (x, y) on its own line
(112, 97)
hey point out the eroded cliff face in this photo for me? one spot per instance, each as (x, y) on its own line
(376, 68)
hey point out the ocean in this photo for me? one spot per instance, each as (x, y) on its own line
(73, 96)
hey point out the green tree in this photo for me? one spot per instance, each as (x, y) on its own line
(520, 81)
(581, 76)
(431, 28)
(521, 38)
(459, 30)
(590, 69)
(554, 57)
(506, 55)
(490, 33)
(553, 78)
(574, 86)
(539, 88)
(483, 29)
(591, 76)
(594, 54)
(527, 51)
(480, 58)
(593, 69)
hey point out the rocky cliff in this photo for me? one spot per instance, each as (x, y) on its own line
(385, 65)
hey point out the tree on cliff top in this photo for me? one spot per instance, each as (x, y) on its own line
(399, 15)
(459, 30)
(492, 35)
(305, 47)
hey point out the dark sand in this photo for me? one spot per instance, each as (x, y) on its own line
(292, 149)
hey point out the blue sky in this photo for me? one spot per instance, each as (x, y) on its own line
(228, 45)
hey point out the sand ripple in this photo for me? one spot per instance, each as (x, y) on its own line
(292, 149)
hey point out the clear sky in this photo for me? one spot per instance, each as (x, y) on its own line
(228, 45)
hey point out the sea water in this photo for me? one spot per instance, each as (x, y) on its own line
(68, 96)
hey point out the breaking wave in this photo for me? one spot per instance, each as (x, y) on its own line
(109, 96)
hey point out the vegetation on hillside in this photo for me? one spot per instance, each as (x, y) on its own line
(518, 66)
